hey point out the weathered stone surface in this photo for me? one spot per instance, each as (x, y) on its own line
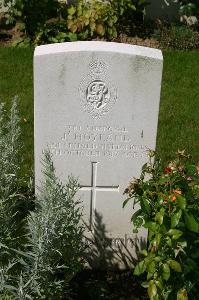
(96, 108)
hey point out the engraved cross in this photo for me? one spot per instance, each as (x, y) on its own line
(94, 188)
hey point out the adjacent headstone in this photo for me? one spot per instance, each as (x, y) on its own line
(163, 10)
(96, 108)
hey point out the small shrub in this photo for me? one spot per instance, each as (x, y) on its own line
(41, 246)
(91, 19)
(54, 32)
(177, 37)
(10, 197)
(55, 234)
(49, 21)
(169, 209)
(189, 8)
(35, 13)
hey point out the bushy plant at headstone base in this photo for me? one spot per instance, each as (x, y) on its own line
(13, 206)
(169, 209)
(11, 198)
(56, 235)
(39, 260)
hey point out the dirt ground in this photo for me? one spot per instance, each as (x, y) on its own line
(97, 285)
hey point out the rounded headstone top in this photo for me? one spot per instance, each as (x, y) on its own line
(98, 46)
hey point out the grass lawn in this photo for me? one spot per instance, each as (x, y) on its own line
(16, 79)
(179, 108)
(178, 126)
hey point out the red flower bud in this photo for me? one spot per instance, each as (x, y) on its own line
(167, 170)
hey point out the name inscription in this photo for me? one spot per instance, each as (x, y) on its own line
(97, 141)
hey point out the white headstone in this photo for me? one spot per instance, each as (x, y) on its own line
(96, 108)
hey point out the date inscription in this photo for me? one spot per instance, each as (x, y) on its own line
(97, 141)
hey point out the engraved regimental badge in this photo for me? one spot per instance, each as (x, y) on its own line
(97, 93)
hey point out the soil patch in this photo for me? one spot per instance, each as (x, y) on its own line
(94, 285)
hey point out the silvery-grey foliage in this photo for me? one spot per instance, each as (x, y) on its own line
(39, 263)
(55, 233)
(9, 169)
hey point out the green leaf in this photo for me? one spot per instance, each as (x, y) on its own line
(149, 276)
(159, 218)
(136, 214)
(151, 225)
(138, 222)
(175, 218)
(145, 205)
(157, 259)
(145, 284)
(159, 284)
(175, 233)
(151, 268)
(73, 28)
(72, 36)
(163, 180)
(140, 268)
(168, 241)
(158, 239)
(144, 252)
(114, 32)
(144, 167)
(191, 222)
(115, 19)
(100, 29)
(152, 289)
(182, 244)
(175, 266)
(71, 10)
(125, 202)
(181, 202)
(182, 294)
(191, 170)
(165, 271)
(132, 7)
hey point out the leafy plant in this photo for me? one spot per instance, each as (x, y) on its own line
(55, 234)
(90, 19)
(33, 13)
(130, 14)
(10, 196)
(41, 246)
(189, 8)
(169, 209)
(54, 32)
(13, 207)
(49, 21)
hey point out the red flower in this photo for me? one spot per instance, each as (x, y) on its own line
(173, 198)
(167, 170)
